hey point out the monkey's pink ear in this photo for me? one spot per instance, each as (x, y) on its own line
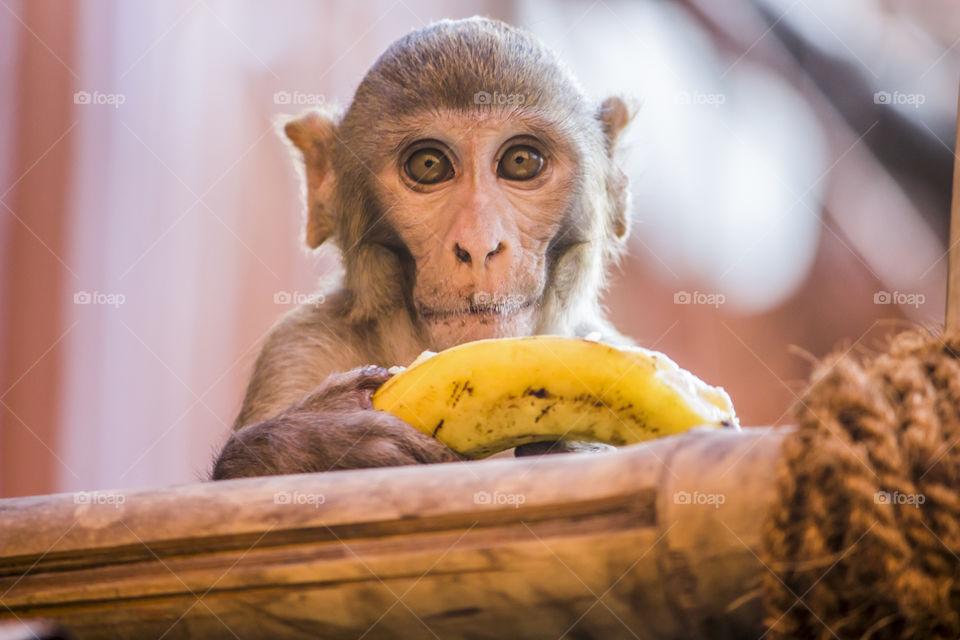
(313, 134)
(615, 114)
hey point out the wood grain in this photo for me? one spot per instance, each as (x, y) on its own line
(953, 251)
(596, 545)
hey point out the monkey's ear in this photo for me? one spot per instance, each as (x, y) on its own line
(615, 114)
(313, 134)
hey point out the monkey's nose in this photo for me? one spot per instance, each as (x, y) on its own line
(465, 256)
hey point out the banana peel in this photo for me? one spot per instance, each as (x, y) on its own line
(486, 396)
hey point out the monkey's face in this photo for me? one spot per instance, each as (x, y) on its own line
(476, 202)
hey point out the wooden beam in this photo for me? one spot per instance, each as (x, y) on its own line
(657, 540)
(953, 251)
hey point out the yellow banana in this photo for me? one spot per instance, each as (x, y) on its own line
(483, 397)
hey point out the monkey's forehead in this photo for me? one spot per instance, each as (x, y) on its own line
(469, 64)
(469, 124)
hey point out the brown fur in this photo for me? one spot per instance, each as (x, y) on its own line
(560, 241)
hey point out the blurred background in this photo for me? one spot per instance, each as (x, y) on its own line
(790, 167)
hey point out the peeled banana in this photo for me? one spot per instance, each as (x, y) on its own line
(486, 396)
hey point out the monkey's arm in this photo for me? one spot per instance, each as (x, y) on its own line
(302, 413)
(332, 428)
(301, 350)
(310, 343)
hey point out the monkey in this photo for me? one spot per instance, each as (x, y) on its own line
(472, 190)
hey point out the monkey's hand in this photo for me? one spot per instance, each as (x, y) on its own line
(335, 427)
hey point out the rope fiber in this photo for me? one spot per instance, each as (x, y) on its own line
(865, 539)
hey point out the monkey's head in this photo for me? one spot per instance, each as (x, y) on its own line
(470, 182)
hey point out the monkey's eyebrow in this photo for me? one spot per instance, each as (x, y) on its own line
(543, 129)
(535, 126)
(404, 143)
(404, 132)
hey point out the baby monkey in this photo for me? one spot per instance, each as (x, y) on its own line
(472, 191)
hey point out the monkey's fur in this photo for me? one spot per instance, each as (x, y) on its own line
(427, 267)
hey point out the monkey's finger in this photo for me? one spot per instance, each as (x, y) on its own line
(410, 443)
(368, 377)
(347, 391)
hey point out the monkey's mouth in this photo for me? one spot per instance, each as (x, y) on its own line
(486, 311)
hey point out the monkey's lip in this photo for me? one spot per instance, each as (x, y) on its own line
(478, 310)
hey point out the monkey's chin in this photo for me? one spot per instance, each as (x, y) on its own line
(449, 331)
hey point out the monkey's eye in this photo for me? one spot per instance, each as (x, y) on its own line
(520, 163)
(428, 166)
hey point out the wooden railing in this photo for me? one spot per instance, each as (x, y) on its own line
(653, 540)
